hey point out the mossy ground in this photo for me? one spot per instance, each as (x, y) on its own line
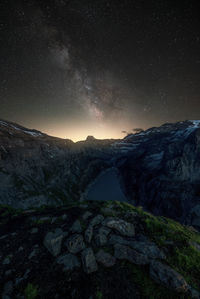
(31, 291)
(124, 279)
(183, 256)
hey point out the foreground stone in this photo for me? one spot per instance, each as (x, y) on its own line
(75, 243)
(86, 215)
(123, 252)
(101, 237)
(89, 261)
(89, 234)
(123, 227)
(194, 294)
(144, 247)
(97, 220)
(76, 227)
(148, 248)
(105, 258)
(168, 277)
(53, 241)
(69, 261)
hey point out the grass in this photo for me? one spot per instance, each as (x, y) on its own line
(148, 288)
(99, 295)
(186, 260)
(31, 291)
(183, 257)
(169, 235)
(6, 210)
(41, 221)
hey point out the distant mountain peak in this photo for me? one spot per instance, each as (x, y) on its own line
(90, 138)
(20, 129)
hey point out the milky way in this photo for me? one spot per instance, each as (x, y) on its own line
(78, 68)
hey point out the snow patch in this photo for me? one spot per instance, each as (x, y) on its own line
(34, 134)
(196, 123)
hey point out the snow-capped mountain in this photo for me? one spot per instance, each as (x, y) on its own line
(161, 170)
(158, 169)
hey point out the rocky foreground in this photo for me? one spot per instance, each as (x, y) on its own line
(96, 250)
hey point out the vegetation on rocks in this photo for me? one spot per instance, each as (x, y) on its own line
(30, 291)
(126, 253)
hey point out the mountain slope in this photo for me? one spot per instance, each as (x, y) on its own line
(96, 250)
(158, 169)
(161, 170)
(38, 169)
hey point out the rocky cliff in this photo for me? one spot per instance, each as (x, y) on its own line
(37, 169)
(158, 169)
(161, 170)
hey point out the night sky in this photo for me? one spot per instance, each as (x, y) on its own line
(99, 67)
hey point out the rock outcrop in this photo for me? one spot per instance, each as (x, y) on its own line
(158, 169)
(123, 259)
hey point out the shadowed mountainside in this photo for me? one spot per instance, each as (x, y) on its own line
(158, 169)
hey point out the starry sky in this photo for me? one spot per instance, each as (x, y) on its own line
(73, 68)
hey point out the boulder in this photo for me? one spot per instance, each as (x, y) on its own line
(131, 215)
(69, 261)
(123, 252)
(75, 243)
(105, 258)
(53, 241)
(89, 261)
(104, 230)
(32, 254)
(97, 220)
(6, 261)
(89, 234)
(108, 211)
(194, 294)
(168, 277)
(76, 227)
(149, 249)
(123, 227)
(86, 215)
(101, 237)
(64, 217)
(116, 239)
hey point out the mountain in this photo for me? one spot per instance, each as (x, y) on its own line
(37, 169)
(96, 250)
(158, 169)
(161, 170)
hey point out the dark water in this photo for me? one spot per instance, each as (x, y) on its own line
(106, 187)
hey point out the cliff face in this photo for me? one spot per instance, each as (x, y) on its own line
(158, 169)
(162, 171)
(37, 169)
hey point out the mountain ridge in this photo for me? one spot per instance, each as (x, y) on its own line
(157, 169)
